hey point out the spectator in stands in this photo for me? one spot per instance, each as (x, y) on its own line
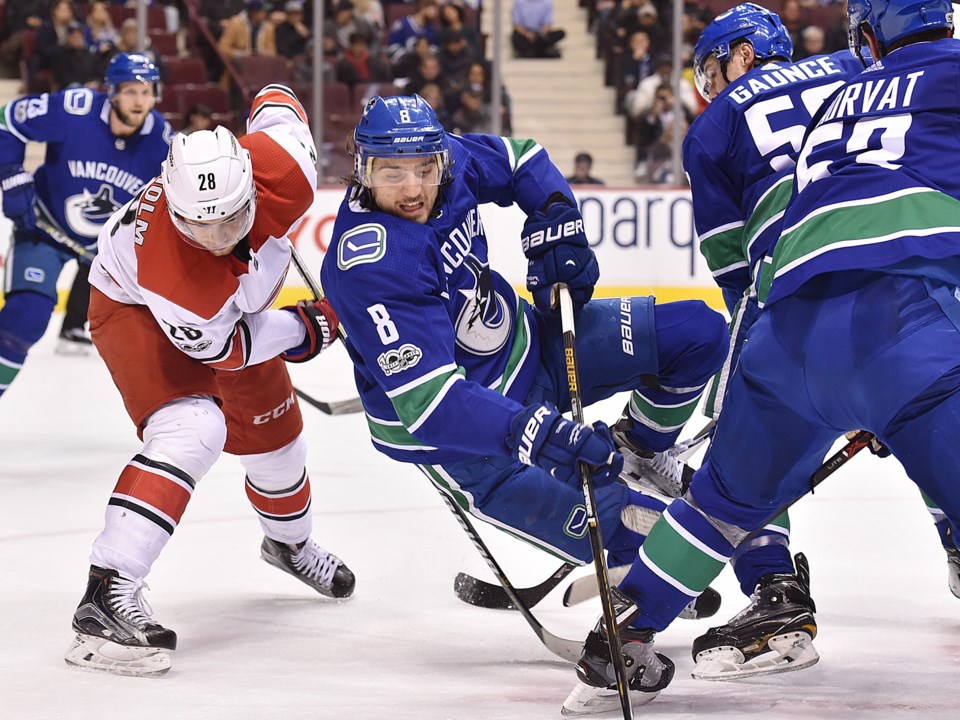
(432, 93)
(218, 13)
(406, 68)
(791, 14)
(655, 137)
(456, 57)
(636, 65)
(813, 41)
(303, 67)
(372, 12)
(292, 34)
(406, 31)
(641, 101)
(127, 42)
(249, 33)
(637, 15)
(344, 24)
(534, 35)
(358, 65)
(52, 34)
(581, 171)
(198, 117)
(452, 18)
(478, 80)
(73, 63)
(472, 115)
(17, 17)
(102, 34)
(428, 71)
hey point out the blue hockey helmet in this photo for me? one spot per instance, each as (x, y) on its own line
(892, 20)
(760, 27)
(131, 67)
(399, 127)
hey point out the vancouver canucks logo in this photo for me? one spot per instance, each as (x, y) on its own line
(484, 325)
(86, 212)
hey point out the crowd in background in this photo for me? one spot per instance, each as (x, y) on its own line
(431, 47)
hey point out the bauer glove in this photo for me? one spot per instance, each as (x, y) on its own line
(18, 196)
(557, 251)
(541, 436)
(321, 323)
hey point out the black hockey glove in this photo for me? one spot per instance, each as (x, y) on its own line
(541, 436)
(321, 323)
(18, 196)
(557, 250)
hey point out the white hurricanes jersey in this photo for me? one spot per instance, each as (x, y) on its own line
(215, 308)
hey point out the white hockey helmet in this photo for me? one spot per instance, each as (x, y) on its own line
(208, 180)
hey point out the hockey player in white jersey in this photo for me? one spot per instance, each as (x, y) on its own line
(179, 312)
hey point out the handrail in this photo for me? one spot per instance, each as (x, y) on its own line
(197, 20)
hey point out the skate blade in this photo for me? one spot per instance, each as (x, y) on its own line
(98, 654)
(589, 700)
(789, 652)
(70, 348)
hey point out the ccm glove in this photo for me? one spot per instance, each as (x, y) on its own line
(321, 323)
(541, 436)
(18, 196)
(557, 251)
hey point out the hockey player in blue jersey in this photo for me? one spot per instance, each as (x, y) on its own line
(739, 155)
(461, 376)
(101, 149)
(861, 327)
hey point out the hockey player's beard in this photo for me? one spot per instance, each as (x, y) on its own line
(127, 119)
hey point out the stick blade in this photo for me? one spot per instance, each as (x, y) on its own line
(480, 593)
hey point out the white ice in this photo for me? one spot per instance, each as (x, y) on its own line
(254, 643)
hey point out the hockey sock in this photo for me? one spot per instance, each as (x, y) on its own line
(284, 512)
(767, 552)
(23, 320)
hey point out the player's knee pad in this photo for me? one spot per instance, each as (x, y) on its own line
(692, 342)
(23, 320)
(189, 433)
(279, 468)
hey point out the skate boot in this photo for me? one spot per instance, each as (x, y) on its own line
(115, 629)
(953, 563)
(647, 672)
(310, 563)
(659, 472)
(75, 341)
(773, 634)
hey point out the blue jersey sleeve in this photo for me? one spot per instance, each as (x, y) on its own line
(511, 170)
(40, 118)
(717, 205)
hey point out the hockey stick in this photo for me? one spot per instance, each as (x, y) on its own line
(480, 593)
(334, 407)
(586, 587)
(560, 298)
(68, 243)
(568, 650)
(341, 407)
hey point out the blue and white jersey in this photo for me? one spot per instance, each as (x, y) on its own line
(739, 156)
(877, 179)
(444, 349)
(88, 172)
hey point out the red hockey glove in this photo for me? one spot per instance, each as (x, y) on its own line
(321, 323)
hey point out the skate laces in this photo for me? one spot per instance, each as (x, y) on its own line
(314, 562)
(125, 597)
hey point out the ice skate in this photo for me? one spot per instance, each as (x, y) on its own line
(659, 472)
(115, 629)
(773, 634)
(75, 341)
(647, 672)
(311, 564)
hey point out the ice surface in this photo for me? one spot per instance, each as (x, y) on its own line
(254, 643)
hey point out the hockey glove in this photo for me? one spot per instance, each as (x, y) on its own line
(321, 322)
(557, 251)
(541, 436)
(18, 196)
